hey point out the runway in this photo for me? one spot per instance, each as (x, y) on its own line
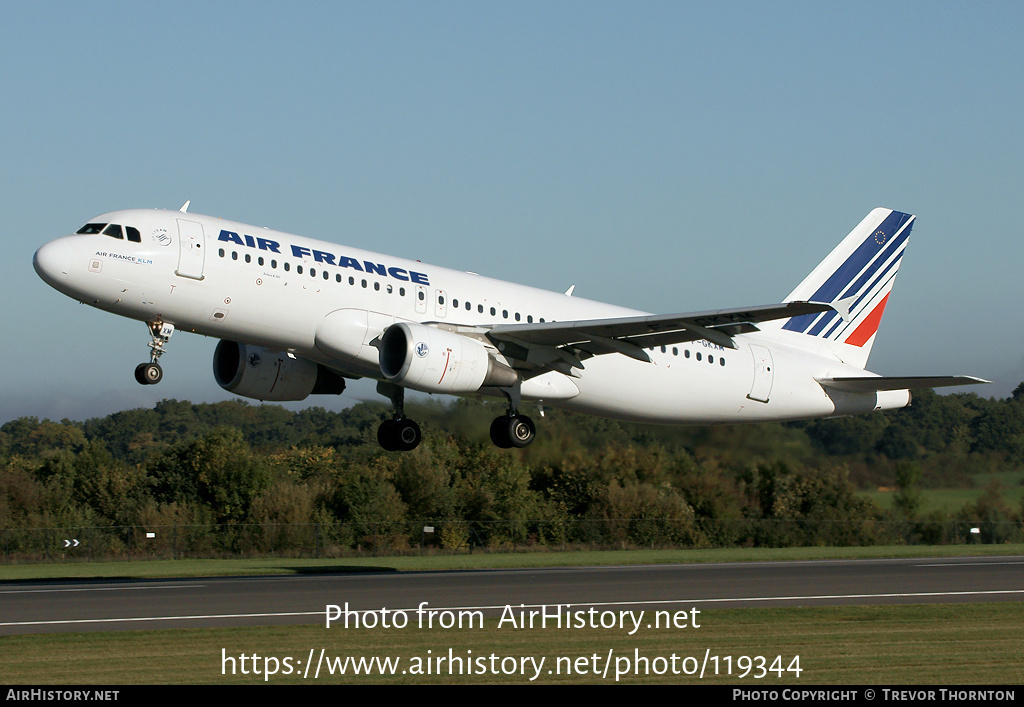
(115, 605)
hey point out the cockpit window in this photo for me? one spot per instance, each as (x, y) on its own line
(113, 230)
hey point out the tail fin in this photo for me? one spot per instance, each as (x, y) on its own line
(855, 279)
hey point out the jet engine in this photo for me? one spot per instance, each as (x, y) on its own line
(437, 361)
(256, 372)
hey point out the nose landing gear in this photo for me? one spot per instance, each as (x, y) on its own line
(151, 373)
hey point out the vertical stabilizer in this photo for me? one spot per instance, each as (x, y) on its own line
(855, 279)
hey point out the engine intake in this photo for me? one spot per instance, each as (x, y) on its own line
(256, 372)
(437, 361)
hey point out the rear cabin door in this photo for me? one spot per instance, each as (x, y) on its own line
(763, 375)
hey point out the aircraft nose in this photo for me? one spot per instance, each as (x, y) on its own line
(53, 261)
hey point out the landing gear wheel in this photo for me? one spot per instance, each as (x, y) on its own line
(387, 437)
(499, 432)
(399, 435)
(521, 431)
(510, 431)
(149, 373)
(409, 435)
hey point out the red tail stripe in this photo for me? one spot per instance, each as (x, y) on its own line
(869, 326)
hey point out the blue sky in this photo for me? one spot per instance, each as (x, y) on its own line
(668, 156)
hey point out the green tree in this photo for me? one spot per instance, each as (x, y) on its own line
(908, 494)
(217, 469)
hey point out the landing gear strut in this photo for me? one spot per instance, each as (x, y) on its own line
(399, 434)
(151, 373)
(512, 429)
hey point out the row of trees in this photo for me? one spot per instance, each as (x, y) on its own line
(585, 480)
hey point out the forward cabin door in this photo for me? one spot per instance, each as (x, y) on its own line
(192, 249)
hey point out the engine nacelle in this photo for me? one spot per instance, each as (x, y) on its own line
(256, 372)
(437, 361)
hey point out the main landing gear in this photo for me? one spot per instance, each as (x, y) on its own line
(399, 434)
(151, 373)
(512, 429)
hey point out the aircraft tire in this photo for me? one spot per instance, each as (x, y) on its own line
(387, 435)
(499, 432)
(149, 373)
(399, 435)
(407, 435)
(521, 431)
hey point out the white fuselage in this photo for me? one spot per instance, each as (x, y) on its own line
(248, 284)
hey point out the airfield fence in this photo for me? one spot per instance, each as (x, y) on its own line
(452, 537)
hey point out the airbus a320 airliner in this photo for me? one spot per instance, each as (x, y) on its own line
(297, 317)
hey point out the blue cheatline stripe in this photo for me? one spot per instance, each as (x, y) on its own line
(851, 268)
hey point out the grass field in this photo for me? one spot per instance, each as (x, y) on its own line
(950, 500)
(265, 566)
(890, 645)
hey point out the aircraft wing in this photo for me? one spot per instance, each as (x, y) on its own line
(558, 345)
(874, 384)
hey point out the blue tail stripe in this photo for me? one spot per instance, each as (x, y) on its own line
(847, 325)
(890, 249)
(881, 276)
(800, 323)
(851, 268)
(830, 332)
(865, 252)
(822, 323)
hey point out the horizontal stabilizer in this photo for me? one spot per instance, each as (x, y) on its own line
(874, 384)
